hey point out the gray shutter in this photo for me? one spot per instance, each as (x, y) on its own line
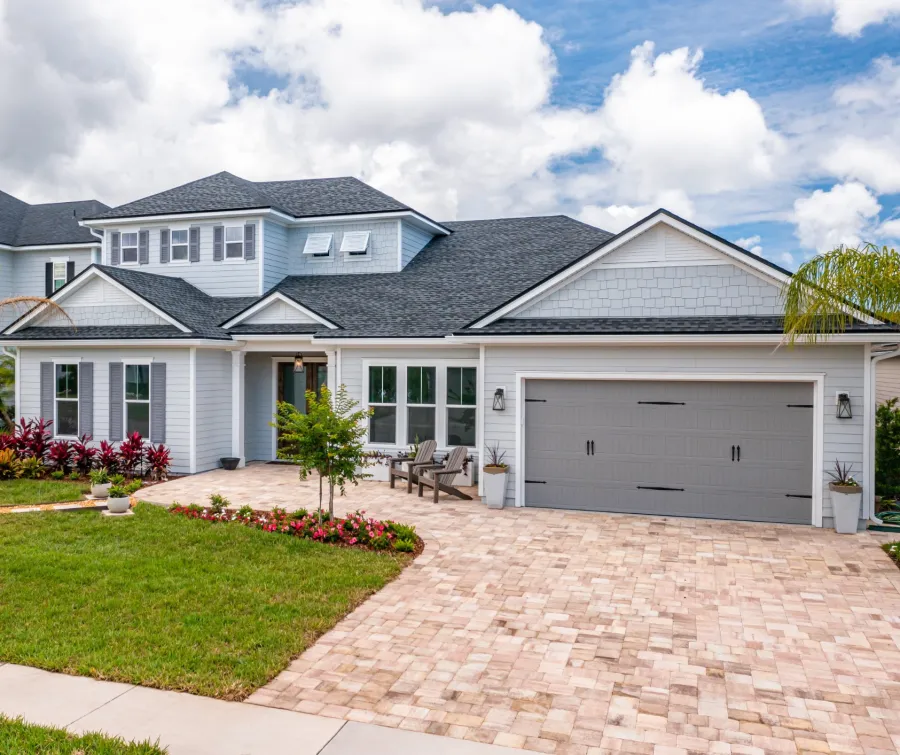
(218, 243)
(250, 241)
(158, 402)
(48, 279)
(143, 247)
(86, 398)
(115, 248)
(194, 243)
(70, 271)
(48, 395)
(164, 245)
(116, 402)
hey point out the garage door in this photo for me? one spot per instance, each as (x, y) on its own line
(701, 449)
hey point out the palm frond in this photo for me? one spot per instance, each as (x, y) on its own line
(26, 303)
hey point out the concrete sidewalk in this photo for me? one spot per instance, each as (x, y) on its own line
(191, 725)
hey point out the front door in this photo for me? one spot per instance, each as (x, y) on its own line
(292, 386)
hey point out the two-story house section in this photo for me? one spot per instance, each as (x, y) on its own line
(43, 246)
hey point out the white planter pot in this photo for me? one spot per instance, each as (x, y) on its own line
(494, 488)
(846, 509)
(100, 491)
(378, 470)
(467, 478)
(118, 505)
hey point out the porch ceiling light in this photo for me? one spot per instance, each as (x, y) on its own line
(298, 363)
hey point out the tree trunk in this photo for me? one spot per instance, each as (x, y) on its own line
(331, 497)
(320, 498)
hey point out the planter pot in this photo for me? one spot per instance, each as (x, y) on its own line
(229, 462)
(467, 478)
(495, 486)
(118, 505)
(845, 500)
(378, 471)
(100, 491)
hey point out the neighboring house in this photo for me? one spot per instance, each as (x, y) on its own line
(638, 372)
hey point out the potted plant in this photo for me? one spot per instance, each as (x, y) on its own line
(230, 462)
(375, 464)
(846, 496)
(100, 483)
(119, 500)
(495, 473)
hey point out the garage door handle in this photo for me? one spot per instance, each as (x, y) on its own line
(587, 448)
(739, 453)
(732, 453)
(592, 448)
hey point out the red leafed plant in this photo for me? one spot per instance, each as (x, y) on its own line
(83, 454)
(108, 457)
(131, 454)
(159, 459)
(33, 437)
(8, 441)
(59, 455)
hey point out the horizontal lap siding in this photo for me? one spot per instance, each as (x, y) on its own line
(7, 315)
(29, 268)
(843, 367)
(275, 253)
(414, 240)
(213, 369)
(259, 403)
(887, 377)
(177, 389)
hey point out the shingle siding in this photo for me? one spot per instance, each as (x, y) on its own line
(412, 242)
(275, 254)
(382, 256)
(279, 312)
(213, 371)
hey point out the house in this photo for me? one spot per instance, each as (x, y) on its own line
(638, 372)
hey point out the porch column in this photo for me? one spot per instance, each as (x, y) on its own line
(237, 406)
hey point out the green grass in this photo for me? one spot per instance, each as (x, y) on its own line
(164, 601)
(32, 492)
(17, 737)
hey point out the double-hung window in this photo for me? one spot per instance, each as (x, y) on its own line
(137, 399)
(421, 404)
(179, 246)
(129, 248)
(59, 274)
(234, 242)
(66, 420)
(383, 402)
(461, 406)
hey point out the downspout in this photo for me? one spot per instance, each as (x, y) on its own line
(876, 354)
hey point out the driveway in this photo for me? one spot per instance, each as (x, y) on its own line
(570, 632)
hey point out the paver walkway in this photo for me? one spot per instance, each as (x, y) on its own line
(581, 633)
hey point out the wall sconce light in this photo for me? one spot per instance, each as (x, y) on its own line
(844, 410)
(298, 363)
(499, 399)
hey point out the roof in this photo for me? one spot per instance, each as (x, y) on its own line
(23, 224)
(105, 332)
(225, 191)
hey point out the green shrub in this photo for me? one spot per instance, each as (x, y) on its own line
(245, 511)
(404, 545)
(380, 543)
(218, 503)
(74, 476)
(887, 449)
(401, 531)
(99, 476)
(32, 468)
(57, 474)
(10, 466)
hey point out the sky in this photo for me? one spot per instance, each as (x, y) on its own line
(774, 123)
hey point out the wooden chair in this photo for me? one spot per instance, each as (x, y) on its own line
(451, 467)
(424, 457)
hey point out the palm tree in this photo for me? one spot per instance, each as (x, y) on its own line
(821, 297)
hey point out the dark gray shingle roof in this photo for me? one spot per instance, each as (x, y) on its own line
(100, 333)
(23, 224)
(225, 191)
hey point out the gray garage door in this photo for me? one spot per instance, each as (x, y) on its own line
(717, 450)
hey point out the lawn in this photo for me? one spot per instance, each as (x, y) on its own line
(19, 737)
(32, 492)
(164, 601)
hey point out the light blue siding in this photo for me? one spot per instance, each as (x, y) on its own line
(383, 256)
(213, 372)
(413, 241)
(29, 268)
(275, 254)
(259, 403)
(7, 315)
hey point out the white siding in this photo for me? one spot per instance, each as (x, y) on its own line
(177, 389)
(213, 370)
(412, 242)
(382, 256)
(279, 312)
(275, 254)
(98, 302)
(887, 379)
(662, 244)
(842, 365)
(29, 277)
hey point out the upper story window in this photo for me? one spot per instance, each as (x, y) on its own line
(234, 242)
(180, 246)
(355, 243)
(318, 244)
(129, 248)
(60, 274)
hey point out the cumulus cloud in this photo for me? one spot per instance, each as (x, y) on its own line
(751, 244)
(616, 218)
(890, 230)
(842, 215)
(850, 17)
(875, 163)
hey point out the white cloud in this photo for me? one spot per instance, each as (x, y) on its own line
(890, 229)
(751, 244)
(850, 17)
(875, 163)
(786, 259)
(616, 218)
(842, 215)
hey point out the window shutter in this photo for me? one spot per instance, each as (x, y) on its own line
(194, 243)
(115, 248)
(116, 401)
(48, 279)
(218, 243)
(86, 398)
(250, 241)
(164, 246)
(143, 247)
(47, 392)
(70, 271)
(158, 402)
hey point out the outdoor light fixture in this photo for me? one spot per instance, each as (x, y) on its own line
(298, 363)
(499, 400)
(844, 410)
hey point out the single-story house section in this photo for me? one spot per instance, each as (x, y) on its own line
(640, 372)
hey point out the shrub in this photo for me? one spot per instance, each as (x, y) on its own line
(404, 545)
(33, 438)
(10, 466)
(108, 457)
(887, 449)
(401, 531)
(74, 475)
(99, 476)
(32, 469)
(117, 479)
(131, 454)
(57, 474)
(83, 455)
(159, 459)
(218, 503)
(59, 455)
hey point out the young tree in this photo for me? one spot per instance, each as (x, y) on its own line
(328, 439)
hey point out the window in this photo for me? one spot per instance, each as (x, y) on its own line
(355, 243)
(130, 248)
(179, 246)
(461, 402)
(318, 244)
(421, 397)
(234, 242)
(137, 399)
(66, 421)
(383, 402)
(59, 274)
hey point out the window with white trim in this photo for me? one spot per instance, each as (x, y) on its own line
(179, 242)
(421, 403)
(234, 242)
(383, 402)
(130, 248)
(65, 421)
(318, 244)
(462, 397)
(355, 243)
(59, 274)
(137, 399)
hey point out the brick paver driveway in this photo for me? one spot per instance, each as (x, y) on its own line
(587, 633)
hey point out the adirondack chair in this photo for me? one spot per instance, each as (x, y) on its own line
(424, 457)
(451, 467)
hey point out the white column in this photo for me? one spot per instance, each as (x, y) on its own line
(237, 406)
